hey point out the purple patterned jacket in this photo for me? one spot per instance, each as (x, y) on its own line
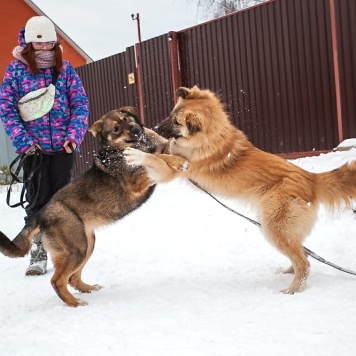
(68, 119)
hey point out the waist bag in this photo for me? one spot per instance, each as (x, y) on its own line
(38, 102)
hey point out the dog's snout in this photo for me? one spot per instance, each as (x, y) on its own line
(136, 131)
(165, 128)
(103, 138)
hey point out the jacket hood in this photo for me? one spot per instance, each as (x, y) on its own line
(21, 38)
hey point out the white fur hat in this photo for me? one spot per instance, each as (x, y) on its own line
(40, 29)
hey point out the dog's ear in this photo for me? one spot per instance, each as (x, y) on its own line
(182, 92)
(129, 109)
(96, 127)
(186, 93)
(133, 112)
(193, 123)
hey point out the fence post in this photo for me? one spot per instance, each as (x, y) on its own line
(176, 70)
(336, 70)
(138, 67)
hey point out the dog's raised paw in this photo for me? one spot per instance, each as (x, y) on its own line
(185, 166)
(171, 143)
(134, 156)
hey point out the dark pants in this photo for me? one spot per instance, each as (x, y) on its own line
(56, 172)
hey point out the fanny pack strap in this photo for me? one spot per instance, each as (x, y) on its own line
(54, 75)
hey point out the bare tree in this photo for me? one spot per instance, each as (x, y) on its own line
(217, 8)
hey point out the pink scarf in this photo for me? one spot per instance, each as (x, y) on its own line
(44, 59)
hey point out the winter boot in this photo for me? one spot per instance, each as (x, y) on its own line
(38, 261)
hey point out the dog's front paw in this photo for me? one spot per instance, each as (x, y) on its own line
(171, 143)
(185, 166)
(181, 166)
(134, 156)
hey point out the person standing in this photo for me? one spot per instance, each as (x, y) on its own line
(57, 134)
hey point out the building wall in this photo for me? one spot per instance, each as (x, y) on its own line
(9, 29)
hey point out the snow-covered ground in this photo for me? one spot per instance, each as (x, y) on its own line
(183, 276)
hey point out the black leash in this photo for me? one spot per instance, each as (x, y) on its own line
(306, 250)
(28, 184)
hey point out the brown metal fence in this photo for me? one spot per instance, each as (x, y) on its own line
(274, 66)
(106, 84)
(268, 64)
(345, 13)
(156, 80)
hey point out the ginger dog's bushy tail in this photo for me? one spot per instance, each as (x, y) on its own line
(337, 188)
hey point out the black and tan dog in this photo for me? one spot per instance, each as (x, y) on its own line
(107, 192)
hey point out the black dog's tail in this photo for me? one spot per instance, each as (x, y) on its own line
(21, 245)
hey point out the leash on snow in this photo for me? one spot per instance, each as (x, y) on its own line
(306, 250)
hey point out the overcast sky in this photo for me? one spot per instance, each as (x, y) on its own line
(104, 27)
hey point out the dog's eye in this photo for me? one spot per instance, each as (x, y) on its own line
(115, 129)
